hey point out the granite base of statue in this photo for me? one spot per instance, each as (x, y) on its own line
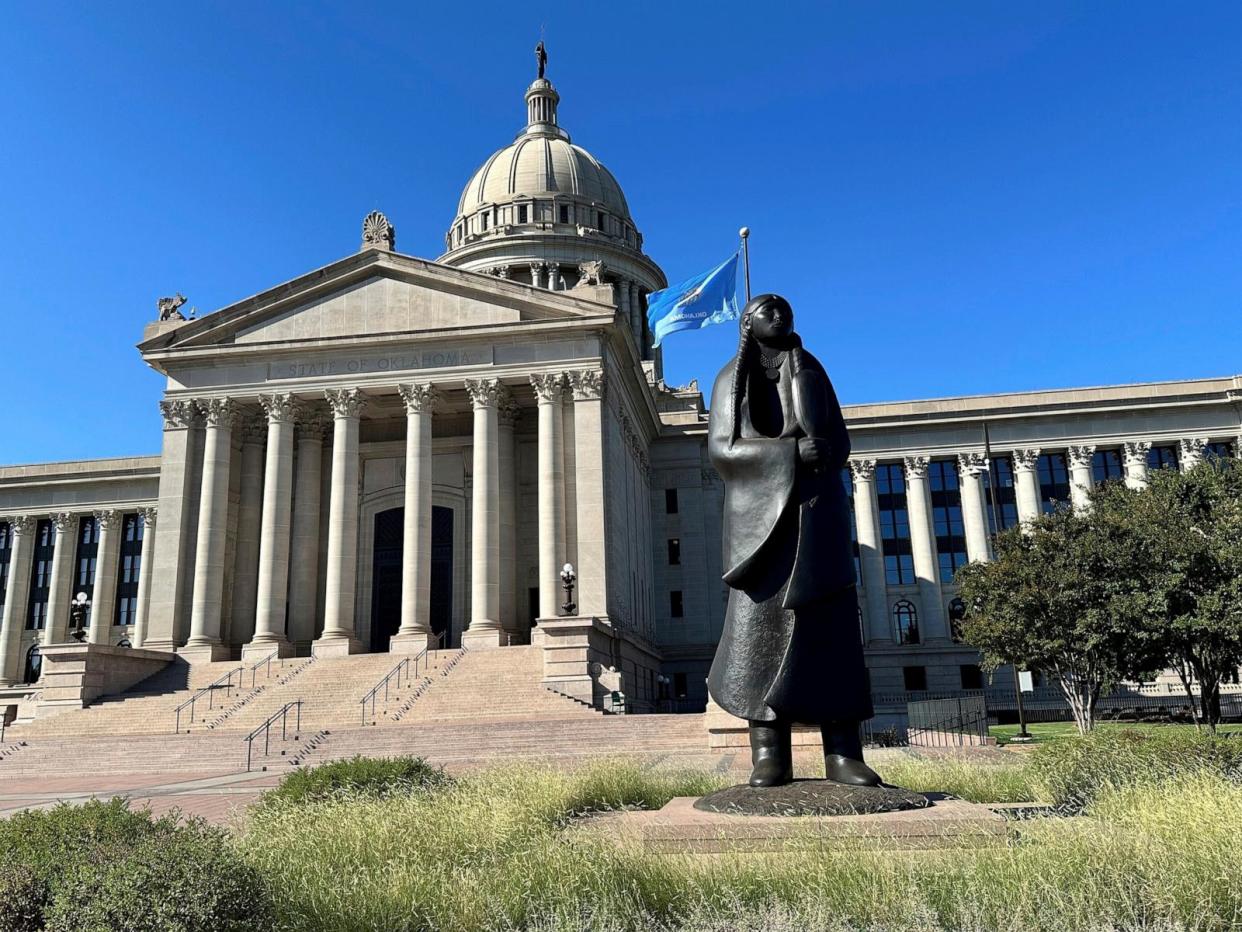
(791, 650)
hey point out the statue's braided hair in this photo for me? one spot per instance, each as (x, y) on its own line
(747, 349)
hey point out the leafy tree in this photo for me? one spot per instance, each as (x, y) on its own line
(1053, 599)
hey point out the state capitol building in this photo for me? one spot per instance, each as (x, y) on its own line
(390, 453)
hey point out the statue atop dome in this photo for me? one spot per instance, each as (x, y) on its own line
(541, 56)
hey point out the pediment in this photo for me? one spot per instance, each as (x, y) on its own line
(373, 294)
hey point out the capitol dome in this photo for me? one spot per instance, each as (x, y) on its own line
(546, 212)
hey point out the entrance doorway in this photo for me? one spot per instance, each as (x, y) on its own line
(386, 575)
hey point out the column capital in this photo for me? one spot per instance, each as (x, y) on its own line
(863, 470)
(252, 426)
(346, 402)
(972, 464)
(1192, 447)
(484, 393)
(313, 423)
(1026, 458)
(21, 525)
(510, 410)
(62, 521)
(107, 519)
(148, 513)
(180, 413)
(587, 384)
(549, 386)
(1080, 455)
(1136, 452)
(280, 409)
(217, 412)
(916, 466)
(419, 397)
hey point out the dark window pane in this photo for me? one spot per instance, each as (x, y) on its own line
(674, 604)
(674, 551)
(915, 678)
(670, 501)
(1107, 466)
(907, 619)
(972, 676)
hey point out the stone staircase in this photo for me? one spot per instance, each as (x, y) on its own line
(53, 756)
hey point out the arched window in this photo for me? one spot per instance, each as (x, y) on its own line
(907, 618)
(34, 664)
(957, 613)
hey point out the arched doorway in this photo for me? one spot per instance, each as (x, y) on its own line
(386, 575)
(34, 665)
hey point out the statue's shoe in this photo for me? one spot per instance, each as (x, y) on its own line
(771, 771)
(841, 769)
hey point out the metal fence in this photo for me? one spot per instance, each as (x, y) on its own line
(943, 723)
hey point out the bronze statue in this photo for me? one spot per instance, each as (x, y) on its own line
(541, 56)
(791, 650)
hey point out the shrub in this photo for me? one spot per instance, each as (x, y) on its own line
(23, 897)
(366, 777)
(1073, 772)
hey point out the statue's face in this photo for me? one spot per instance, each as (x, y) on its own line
(771, 322)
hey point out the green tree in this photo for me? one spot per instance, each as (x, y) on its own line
(1053, 599)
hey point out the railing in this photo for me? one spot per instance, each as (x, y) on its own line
(265, 662)
(225, 682)
(266, 729)
(961, 722)
(407, 668)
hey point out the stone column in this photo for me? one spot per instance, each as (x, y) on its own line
(970, 468)
(103, 602)
(506, 462)
(272, 603)
(172, 566)
(1191, 451)
(1136, 463)
(1027, 481)
(143, 608)
(870, 551)
(339, 636)
(588, 389)
(415, 632)
(484, 628)
(625, 305)
(13, 619)
(60, 586)
(923, 545)
(1082, 478)
(536, 274)
(205, 642)
(305, 534)
(554, 276)
(550, 392)
(249, 523)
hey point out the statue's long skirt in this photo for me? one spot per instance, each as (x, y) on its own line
(803, 666)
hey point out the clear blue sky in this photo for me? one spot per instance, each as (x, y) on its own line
(957, 198)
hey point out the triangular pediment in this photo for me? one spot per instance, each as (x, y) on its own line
(374, 293)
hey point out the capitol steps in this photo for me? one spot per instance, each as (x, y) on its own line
(68, 755)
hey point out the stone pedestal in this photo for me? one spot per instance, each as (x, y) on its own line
(205, 653)
(483, 638)
(261, 650)
(336, 647)
(413, 643)
(74, 675)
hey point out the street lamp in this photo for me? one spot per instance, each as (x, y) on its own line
(568, 578)
(78, 609)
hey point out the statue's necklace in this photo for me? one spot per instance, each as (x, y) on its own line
(772, 364)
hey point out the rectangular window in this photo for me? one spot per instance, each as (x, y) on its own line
(564, 213)
(946, 505)
(675, 608)
(848, 481)
(483, 221)
(674, 551)
(890, 485)
(670, 501)
(6, 553)
(915, 678)
(680, 685)
(1053, 472)
(1107, 465)
(599, 219)
(130, 569)
(40, 575)
(972, 676)
(1001, 499)
(1220, 450)
(1163, 457)
(88, 551)
(523, 213)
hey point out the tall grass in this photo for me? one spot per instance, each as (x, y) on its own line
(1004, 782)
(492, 852)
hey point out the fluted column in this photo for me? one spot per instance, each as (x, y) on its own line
(415, 632)
(870, 551)
(60, 586)
(484, 628)
(626, 305)
(339, 636)
(142, 609)
(13, 618)
(506, 461)
(550, 392)
(305, 532)
(923, 545)
(536, 274)
(253, 428)
(1082, 478)
(1191, 451)
(1136, 463)
(272, 606)
(588, 389)
(207, 606)
(970, 468)
(1025, 463)
(103, 601)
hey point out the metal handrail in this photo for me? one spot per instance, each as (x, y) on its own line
(401, 669)
(266, 728)
(266, 661)
(209, 690)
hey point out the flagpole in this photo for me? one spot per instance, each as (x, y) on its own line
(744, 233)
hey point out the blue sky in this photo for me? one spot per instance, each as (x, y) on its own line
(957, 198)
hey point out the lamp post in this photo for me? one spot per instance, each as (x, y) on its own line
(78, 610)
(568, 578)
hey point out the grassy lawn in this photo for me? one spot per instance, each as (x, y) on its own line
(1049, 731)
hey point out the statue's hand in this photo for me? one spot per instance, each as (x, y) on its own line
(814, 451)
